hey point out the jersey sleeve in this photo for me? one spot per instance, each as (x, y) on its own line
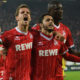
(71, 57)
(36, 27)
(34, 32)
(63, 49)
(4, 39)
(69, 41)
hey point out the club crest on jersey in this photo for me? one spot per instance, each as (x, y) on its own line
(40, 43)
(63, 33)
(17, 38)
(31, 36)
(55, 42)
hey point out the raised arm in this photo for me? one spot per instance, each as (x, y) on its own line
(71, 57)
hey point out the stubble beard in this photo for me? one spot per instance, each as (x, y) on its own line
(49, 30)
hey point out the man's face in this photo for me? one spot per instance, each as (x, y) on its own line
(48, 23)
(23, 17)
(57, 11)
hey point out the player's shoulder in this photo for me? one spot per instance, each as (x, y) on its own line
(36, 26)
(8, 33)
(34, 32)
(64, 26)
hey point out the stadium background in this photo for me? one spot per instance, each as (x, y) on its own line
(71, 18)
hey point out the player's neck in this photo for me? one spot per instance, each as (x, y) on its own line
(46, 32)
(56, 22)
(23, 28)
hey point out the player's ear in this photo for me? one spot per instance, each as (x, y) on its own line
(16, 18)
(30, 18)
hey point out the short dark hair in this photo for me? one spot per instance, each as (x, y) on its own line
(19, 7)
(42, 17)
(52, 3)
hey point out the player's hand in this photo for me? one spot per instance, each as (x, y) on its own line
(58, 36)
(1, 51)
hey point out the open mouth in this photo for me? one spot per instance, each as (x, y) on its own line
(51, 25)
(26, 18)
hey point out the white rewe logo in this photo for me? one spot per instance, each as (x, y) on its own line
(48, 52)
(24, 46)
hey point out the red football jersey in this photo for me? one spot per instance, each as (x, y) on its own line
(36, 27)
(64, 30)
(19, 46)
(2, 63)
(44, 56)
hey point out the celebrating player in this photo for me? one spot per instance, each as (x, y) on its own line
(46, 51)
(18, 42)
(55, 8)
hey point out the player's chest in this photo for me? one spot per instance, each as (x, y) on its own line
(20, 39)
(21, 42)
(47, 48)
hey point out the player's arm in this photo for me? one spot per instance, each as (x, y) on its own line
(66, 55)
(71, 57)
(70, 44)
(74, 51)
(3, 41)
(3, 50)
(36, 27)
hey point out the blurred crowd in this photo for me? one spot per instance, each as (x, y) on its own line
(38, 7)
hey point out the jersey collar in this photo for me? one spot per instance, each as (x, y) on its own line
(46, 37)
(21, 31)
(57, 26)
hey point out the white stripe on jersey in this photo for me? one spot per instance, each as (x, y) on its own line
(65, 51)
(72, 46)
(57, 26)
(46, 37)
(21, 31)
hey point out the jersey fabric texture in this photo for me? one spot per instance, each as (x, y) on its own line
(44, 56)
(19, 46)
(64, 30)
